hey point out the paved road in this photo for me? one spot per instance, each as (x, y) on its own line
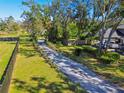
(79, 73)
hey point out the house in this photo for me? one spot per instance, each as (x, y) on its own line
(117, 38)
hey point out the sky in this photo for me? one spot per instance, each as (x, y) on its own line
(13, 8)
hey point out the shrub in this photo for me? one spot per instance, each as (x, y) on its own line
(110, 57)
(114, 56)
(78, 51)
(106, 59)
(89, 49)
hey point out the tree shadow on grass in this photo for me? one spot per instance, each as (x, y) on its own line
(26, 48)
(19, 84)
(115, 79)
(23, 35)
(121, 67)
(26, 87)
(42, 83)
(28, 52)
(25, 41)
(53, 87)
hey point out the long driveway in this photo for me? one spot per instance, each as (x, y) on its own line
(79, 73)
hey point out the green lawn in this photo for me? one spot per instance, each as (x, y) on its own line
(33, 75)
(114, 73)
(6, 49)
(9, 34)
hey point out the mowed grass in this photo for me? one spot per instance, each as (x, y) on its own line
(6, 49)
(33, 75)
(9, 34)
(114, 73)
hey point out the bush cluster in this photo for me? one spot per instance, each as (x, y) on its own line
(106, 58)
(87, 49)
(110, 57)
(78, 51)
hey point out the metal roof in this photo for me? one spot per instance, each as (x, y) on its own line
(117, 34)
(121, 26)
(114, 35)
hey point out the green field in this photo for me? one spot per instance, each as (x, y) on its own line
(32, 73)
(9, 34)
(6, 49)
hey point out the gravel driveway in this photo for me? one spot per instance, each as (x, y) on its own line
(79, 73)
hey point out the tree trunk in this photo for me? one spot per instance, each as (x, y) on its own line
(109, 39)
(65, 37)
(101, 40)
(53, 34)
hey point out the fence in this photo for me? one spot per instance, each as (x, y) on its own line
(6, 77)
(9, 39)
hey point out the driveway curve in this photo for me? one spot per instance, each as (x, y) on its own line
(79, 73)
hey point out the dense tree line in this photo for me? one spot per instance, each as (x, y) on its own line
(9, 24)
(61, 20)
